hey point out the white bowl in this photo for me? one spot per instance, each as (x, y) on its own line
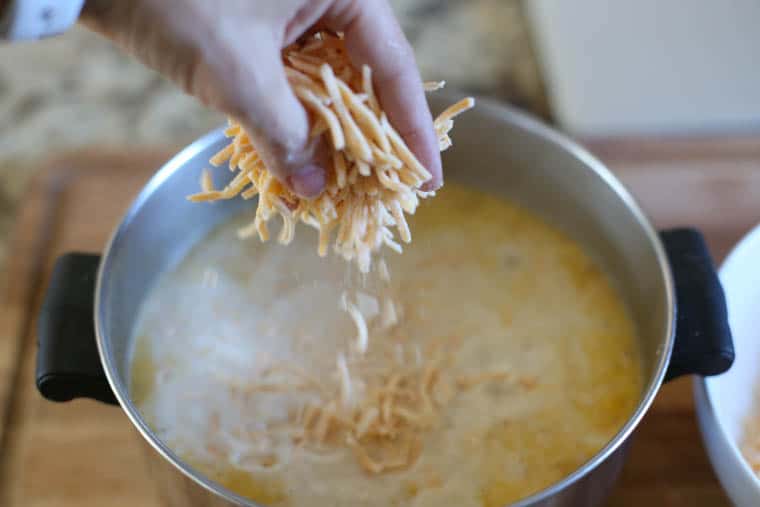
(724, 402)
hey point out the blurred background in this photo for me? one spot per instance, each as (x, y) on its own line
(610, 68)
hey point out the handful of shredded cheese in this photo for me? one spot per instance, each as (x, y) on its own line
(374, 178)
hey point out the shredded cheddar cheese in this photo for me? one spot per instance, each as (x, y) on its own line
(362, 334)
(384, 428)
(374, 179)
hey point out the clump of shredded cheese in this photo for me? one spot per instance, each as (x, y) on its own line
(385, 426)
(374, 178)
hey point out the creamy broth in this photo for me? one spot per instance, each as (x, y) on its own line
(518, 296)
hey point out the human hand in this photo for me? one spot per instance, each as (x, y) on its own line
(228, 54)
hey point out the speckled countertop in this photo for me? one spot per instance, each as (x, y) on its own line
(76, 90)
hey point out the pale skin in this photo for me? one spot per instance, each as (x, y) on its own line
(227, 54)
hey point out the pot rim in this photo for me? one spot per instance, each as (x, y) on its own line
(486, 106)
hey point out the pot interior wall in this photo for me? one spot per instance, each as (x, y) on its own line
(495, 150)
(158, 231)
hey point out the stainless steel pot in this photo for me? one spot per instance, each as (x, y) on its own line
(498, 150)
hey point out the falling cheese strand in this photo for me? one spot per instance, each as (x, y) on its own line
(374, 179)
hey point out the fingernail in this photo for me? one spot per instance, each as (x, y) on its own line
(308, 181)
(432, 185)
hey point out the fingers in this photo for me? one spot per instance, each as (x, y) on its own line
(374, 38)
(244, 78)
(274, 118)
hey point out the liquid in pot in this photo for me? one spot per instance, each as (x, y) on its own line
(514, 293)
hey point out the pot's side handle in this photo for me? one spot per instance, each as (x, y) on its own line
(68, 364)
(703, 344)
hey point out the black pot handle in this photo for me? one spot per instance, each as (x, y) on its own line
(68, 364)
(703, 344)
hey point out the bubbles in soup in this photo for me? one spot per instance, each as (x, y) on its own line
(542, 366)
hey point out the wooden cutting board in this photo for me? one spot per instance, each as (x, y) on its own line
(85, 454)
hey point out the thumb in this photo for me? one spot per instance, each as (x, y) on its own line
(277, 123)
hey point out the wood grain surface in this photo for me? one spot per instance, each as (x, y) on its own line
(85, 454)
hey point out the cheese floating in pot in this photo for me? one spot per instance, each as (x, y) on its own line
(475, 397)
